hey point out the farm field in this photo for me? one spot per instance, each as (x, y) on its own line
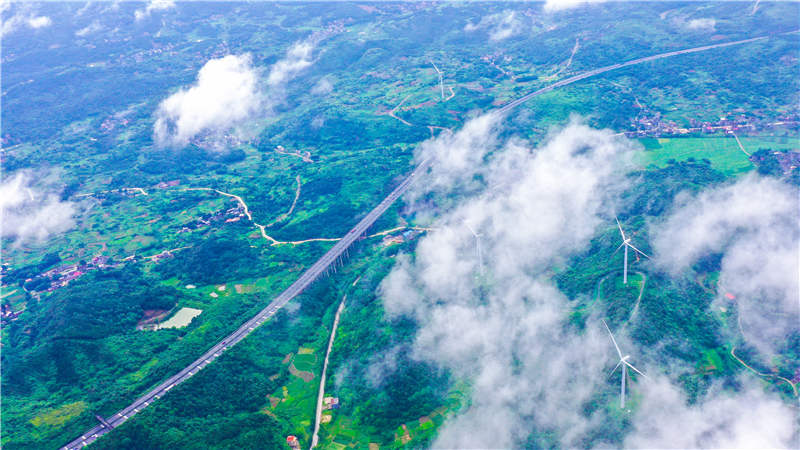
(723, 152)
(169, 168)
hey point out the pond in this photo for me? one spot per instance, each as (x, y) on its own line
(181, 318)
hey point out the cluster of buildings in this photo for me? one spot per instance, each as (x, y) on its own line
(333, 28)
(158, 257)
(7, 314)
(405, 236)
(142, 55)
(330, 403)
(293, 442)
(167, 184)
(64, 274)
(651, 124)
(110, 123)
(229, 215)
(51, 280)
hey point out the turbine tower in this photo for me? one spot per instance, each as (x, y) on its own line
(626, 242)
(439, 72)
(623, 361)
(478, 245)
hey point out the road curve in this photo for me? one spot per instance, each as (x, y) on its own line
(328, 258)
(232, 339)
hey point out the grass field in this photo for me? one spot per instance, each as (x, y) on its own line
(305, 362)
(723, 152)
(753, 143)
(59, 415)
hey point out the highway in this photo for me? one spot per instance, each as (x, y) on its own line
(330, 257)
(232, 339)
(632, 62)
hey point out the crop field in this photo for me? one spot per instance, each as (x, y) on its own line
(174, 235)
(723, 152)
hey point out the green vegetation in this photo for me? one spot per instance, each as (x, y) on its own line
(76, 351)
(723, 153)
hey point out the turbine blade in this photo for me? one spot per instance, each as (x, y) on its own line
(619, 352)
(620, 228)
(634, 368)
(615, 251)
(615, 369)
(641, 252)
(470, 229)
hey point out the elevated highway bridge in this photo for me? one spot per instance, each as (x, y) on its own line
(117, 419)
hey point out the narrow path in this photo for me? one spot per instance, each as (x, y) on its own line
(286, 215)
(764, 375)
(306, 156)
(435, 127)
(568, 62)
(273, 241)
(639, 298)
(244, 206)
(166, 252)
(452, 93)
(741, 147)
(137, 189)
(394, 110)
(598, 289)
(329, 258)
(321, 394)
(380, 233)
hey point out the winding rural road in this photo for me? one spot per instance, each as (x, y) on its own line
(270, 310)
(109, 423)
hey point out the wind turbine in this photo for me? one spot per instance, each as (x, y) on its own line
(439, 72)
(626, 242)
(478, 244)
(623, 361)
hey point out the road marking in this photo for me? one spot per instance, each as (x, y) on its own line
(343, 243)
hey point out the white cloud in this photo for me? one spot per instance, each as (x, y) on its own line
(297, 58)
(456, 157)
(225, 94)
(505, 330)
(153, 5)
(31, 213)
(561, 5)
(317, 122)
(507, 25)
(722, 419)
(228, 94)
(89, 29)
(502, 326)
(500, 26)
(703, 24)
(23, 16)
(753, 224)
(323, 87)
(39, 22)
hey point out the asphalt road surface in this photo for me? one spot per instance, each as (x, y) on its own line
(330, 257)
(292, 291)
